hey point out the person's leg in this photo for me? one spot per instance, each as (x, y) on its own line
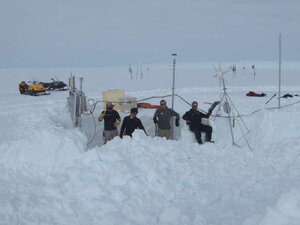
(207, 130)
(164, 133)
(112, 134)
(106, 136)
(168, 134)
(160, 132)
(198, 135)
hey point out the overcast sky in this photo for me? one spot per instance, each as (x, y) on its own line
(75, 33)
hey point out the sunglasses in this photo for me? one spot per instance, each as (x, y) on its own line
(162, 103)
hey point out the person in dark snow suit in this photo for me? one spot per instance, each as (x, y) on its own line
(130, 123)
(194, 117)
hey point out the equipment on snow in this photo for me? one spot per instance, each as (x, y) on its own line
(34, 89)
(287, 96)
(147, 105)
(253, 94)
(55, 85)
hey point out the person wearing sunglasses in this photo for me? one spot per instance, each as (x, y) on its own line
(162, 118)
(130, 123)
(194, 117)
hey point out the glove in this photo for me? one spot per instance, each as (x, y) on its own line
(155, 120)
(116, 123)
(177, 122)
(100, 118)
(188, 122)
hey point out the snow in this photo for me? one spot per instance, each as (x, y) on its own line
(52, 173)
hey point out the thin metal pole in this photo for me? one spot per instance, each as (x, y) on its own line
(81, 81)
(80, 101)
(173, 93)
(279, 88)
(227, 103)
(173, 85)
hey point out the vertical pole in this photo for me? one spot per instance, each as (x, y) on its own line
(80, 102)
(173, 92)
(279, 88)
(173, 85)
(81, 80)
(227, 104)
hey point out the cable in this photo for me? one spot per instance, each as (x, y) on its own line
(94, 104)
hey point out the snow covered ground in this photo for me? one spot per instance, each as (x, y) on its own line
(52, 173)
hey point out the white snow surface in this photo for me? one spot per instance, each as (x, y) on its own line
(53, 173)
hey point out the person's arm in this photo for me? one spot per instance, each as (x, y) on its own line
(140, 126)
(118, 116)
(211, 108)
(207, 115)
(100, 118)
(155, 117)
(186, 117)
(173, 113)
(123, 127)
(118, 119)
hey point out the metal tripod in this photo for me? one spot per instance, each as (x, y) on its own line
(234, 117)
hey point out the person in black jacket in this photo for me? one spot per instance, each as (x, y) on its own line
(112, 120)
(194, 119)
(130, 123)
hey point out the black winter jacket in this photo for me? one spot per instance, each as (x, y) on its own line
(109, 118)
(194, 118)
(129, 125)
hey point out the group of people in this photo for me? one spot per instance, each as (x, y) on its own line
(161, 118)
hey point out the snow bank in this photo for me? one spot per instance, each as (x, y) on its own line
(286, 210)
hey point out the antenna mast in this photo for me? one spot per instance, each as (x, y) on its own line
(279, 88)
(173, 85)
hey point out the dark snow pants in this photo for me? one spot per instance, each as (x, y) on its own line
(203, 128)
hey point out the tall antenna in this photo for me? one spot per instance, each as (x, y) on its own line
(173, 93)
(254, 72)
(142, 75)
(130, 71)
(279, 88)
(137, 71)
(227, 103)
(173, 84)
(234, 71)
